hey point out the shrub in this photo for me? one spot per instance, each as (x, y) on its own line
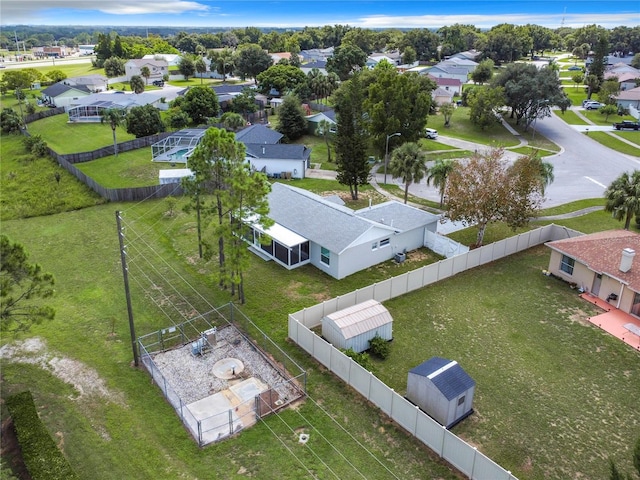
(36, 145)
(10, 121)
(41, 456)
(380, 347)
(361, 359)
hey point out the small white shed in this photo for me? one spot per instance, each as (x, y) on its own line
(442, 389)
(173, 176)
(353, 327)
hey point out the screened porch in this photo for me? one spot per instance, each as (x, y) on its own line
(280, 244)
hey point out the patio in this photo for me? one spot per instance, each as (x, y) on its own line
(615, 322)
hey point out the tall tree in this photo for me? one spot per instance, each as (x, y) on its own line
(187, 67)
(346, 60)
(408, 163)
(291, 120)
(223, 61)
(146, 73)
(200, 67)
(486, 189)
(245, 103)
(282, 78)
(137, 84)
(484, 104)
(483, 72)
(396, 103)
(324, 129)
(439, 174)
(144, 121)
(623, 197)
(446, 110)
(351, 141)
(250, 60)
(114, 117)
(200, 103)
(21, 283)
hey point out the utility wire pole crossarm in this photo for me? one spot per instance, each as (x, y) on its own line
(386, 154)
(125, 275)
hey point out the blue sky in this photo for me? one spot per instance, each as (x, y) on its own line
(361, 13)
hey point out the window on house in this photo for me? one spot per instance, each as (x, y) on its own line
(384, 242)
(325, 256)
(374, 246)
(461, 400)
(566, 264)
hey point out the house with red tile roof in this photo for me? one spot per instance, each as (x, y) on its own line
(602, 264)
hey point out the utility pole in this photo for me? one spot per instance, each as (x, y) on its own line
(125, 275)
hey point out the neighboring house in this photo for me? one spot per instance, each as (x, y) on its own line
(466, 55)
(336, 239)
(279, 160)
(94, 83)
(442, 389)
(227, 92)
(620, 68)
(467, 64)
(315, 54)
(449, 71)
(313, 122)
(376, 58)
(353, 327)
(157, 67)
(52, 51)
(321, 65)
(259, 134)
(440, 96)
(419, 69)
(451, 84)
(626, 80)
(172, 59)
(91, 107)
(277, 56)
(602, 264)
(629, 98)
(264, 152)
(61, 95)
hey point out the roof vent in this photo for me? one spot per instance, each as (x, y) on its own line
(627, 259)
(263, 150)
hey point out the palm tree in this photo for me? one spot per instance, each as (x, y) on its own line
(546, 175)
(114, 117)
(146, 73)
(137, 84)
(623, 197)
(223, 61)
(408, 163)
(324, 128)
(438, 174)
(201, 67)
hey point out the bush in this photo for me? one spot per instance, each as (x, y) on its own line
(380, 347)
(36, 145)
(10, 121)
(39, 452)
(361, 359)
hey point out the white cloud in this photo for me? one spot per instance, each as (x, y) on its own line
(21, 11)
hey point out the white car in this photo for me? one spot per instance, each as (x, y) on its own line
(593, 105)
(430, 133)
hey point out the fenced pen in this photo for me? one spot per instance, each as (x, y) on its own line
(467, 459)
(220, 372)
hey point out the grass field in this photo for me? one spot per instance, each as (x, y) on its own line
(64, 137)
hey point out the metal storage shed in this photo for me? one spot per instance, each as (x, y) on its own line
(353, 327)
(442, 389)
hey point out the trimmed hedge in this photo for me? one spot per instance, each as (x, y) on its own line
(39, 451)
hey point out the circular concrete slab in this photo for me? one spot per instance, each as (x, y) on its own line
(228, 368)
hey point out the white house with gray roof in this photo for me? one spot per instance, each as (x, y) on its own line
(334, 238)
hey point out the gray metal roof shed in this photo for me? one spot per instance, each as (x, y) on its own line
(442, 389)
(353, 327)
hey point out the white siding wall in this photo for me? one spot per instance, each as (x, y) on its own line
(296, 167)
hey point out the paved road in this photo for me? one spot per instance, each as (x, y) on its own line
(584, 168)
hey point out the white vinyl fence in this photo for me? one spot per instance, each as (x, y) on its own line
(464, 457)
(443, 245)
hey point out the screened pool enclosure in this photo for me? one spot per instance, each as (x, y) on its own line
(178, 147)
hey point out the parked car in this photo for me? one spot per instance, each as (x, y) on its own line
(158, 83)
(431, 133)
(627, 125)
(574, 68)
(593, 105)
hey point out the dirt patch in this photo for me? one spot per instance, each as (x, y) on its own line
(83, 379)
(293, 291)
(576, 316)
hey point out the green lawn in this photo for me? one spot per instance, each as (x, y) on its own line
(615, 144)
(64, 137)
(570, 117)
